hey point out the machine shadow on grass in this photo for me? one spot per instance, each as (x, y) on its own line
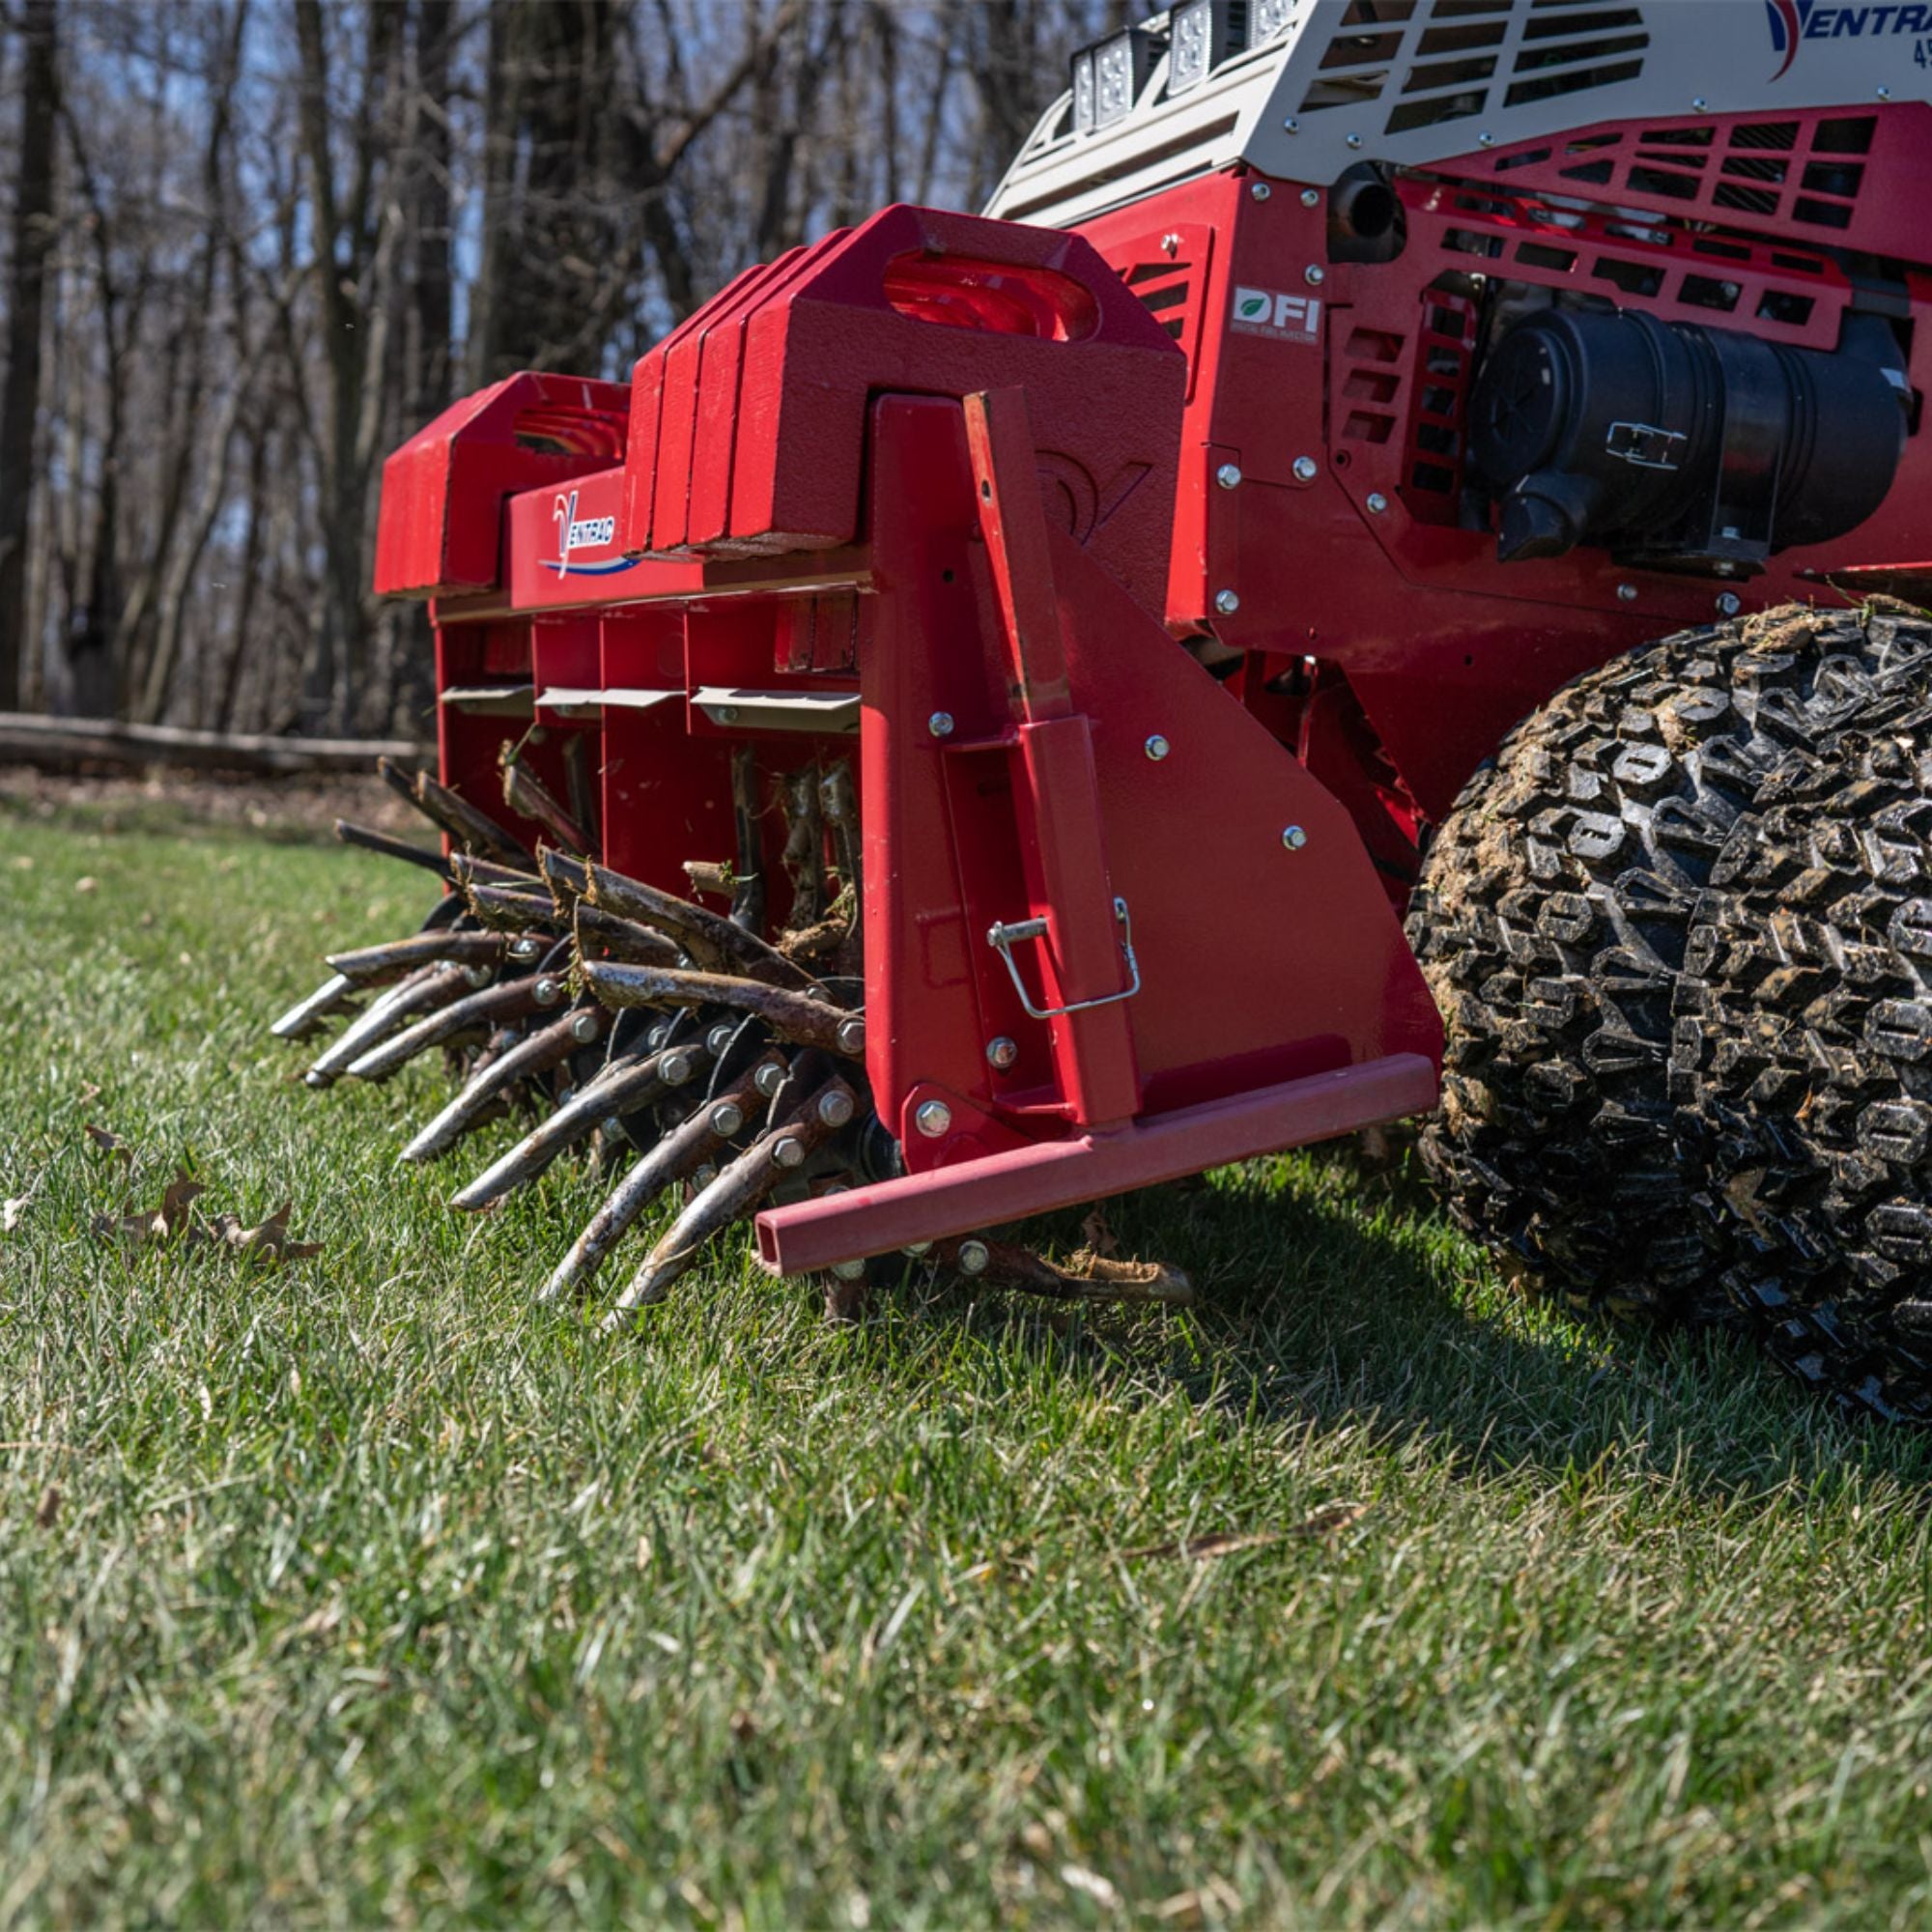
(1316, 1305)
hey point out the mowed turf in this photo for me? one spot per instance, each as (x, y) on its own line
(362, 1591)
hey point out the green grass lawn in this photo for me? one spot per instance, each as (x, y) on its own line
(358, 1590)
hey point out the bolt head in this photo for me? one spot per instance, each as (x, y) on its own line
(1352, 140)
(1169, 243)
(932, 1118)
(1627, 593)
(1227, 602)
(974, 1256)
(940, 723)
(1260, 190)
(720, 1038)
(1315, 274)
(1885, 93)
(788, 1151)
(1378, 503)
(1291, 125)
(1157, 748)
(524, 947)
(727, 1117)
(584, 1028)
(769, 1078)
(852, 1035)
(1485, 140)
(1698, 102)
(1229, 476)
(1002, 1052)
(1729, 603)
(835, 1109)
(1294, 837)
(849, 1271)
(547, 991)
(676, 1067)
(609, 1127)
(478, 975)
(1310, 197)
(727, 714)
(1306, 469)
(703, 1175)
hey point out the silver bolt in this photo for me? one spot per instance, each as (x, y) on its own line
(1169, 243)
(917, 1248)
(1378, 503)
(1485, 140)
(609, 1127)
(849, 1271)
(1627, 593)
(1306, 469)
(1315, 274)
(1310, 198)
(526, 947)
(1291, 125)
(478, 975)
(1002, 1052)
(703, 1175)
(1729, 604)
(835, 1109)
(720, 1038)
(547, 991)
(727, 1117)
(1885, 93)
(1156, 748)
(676, 1067)
(1260, 190)
(769, 1078)
(584, 1028)
(1294, 837)
(940, 723)
(1229, 476)
(790, 1151)
(1352, 140)
(1227, 602)
(852, 1035)
(934, 1118)
(974, 1256)
(1698, 104)
(727, 714)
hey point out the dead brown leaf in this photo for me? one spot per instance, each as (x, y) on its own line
(108, 1142)
(1100, 1238)
(269, 1239)
(49, 1510)
(87, 885)
(12, 1213)
(1228, 1543)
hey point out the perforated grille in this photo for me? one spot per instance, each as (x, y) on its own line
(1463, 61)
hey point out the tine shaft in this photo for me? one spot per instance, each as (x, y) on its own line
(350, 834)
(431, 986)
(703, 934)
(567, 878)
(452, 814)
(509, 911)
(467, 870)
(512, 1000)
(679, 1154)
(623, 1087)
(306, 1016)
(529, 796)
(747, 901)
(792, 1016)
(738, 1187)
(805, 849)
(622, 939)
(376, 965)
(537, 1054)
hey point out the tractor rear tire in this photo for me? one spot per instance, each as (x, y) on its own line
(1551, 920)
(1809, 1053)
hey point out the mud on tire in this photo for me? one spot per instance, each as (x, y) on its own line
(1805, 1051)
(1552, 920)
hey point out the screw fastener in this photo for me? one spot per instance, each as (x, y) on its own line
(675, 1068)
(1310, 198)
(1729, 604)
(788, 1151)
(1229, 476)
(727, 1117)
(849, 1271)
(932, 1118)
(974, 1256)
(836, 1109)
(852, 1035)
(1627, 593)
(1294, 837)
(547, 991)
(769, 1078)
(584, 1028)
(1227, 602)
(1315, 274)
(1260, 190)
(1306, 469)
(1378, 503)
(1002, 1052)
(940, 723)
(1156, 748)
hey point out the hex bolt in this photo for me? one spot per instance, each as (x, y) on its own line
(934, 1118)
(584, 1028)
(1229, 476)
(720, 1038)
(1315, 274)
(917, 1248)
(1352, 140)
(1378, 503)
(1002, 1052)
(852, 1035)
(727, 1117)
(609, 1127)
(1260, 190)
(1291, 125)
(547, 991)
(727, 714)
(1227, 602)
(769, 1078)
(1294, 837)
(1156, 748)
(676, 1067)
(788, 1151)
(1310, 197)
(1729, 604)
(849, 1271)
(940, 723)
(1698, 104)
(524, 947)
(1627, 593)
(1485, 140)
(704, 1175)
(1169, 243)
(1306, 469)
(835, 1109)
(482, 976)
(974, 1256)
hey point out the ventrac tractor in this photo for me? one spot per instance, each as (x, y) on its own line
(1379, 579)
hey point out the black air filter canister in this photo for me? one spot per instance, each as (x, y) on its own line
(1685, 447)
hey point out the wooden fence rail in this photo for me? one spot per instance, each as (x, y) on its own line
(63, 744)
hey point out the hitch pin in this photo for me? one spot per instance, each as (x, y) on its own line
(1004, 936)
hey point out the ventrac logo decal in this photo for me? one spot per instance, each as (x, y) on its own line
(1272, 312)
(573, 535)
(1795, 22)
